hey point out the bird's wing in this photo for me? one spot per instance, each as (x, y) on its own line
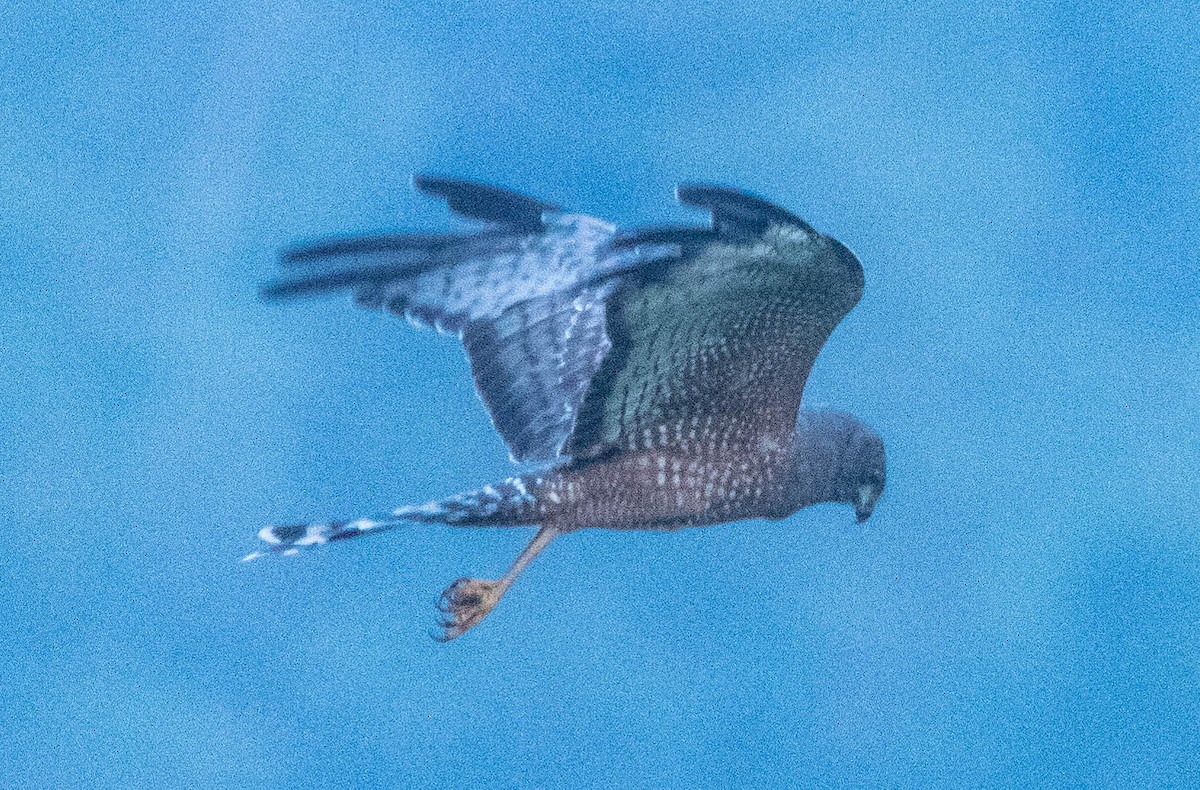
(726, 327)
(525, 293)
(533, 363)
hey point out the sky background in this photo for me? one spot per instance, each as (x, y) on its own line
(1021, 184)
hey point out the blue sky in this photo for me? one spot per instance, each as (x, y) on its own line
(1020, 183)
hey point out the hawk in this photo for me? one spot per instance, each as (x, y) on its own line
(656, 373)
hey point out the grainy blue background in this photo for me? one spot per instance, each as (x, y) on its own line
(1021, 184)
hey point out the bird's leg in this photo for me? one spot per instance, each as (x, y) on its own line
(467, 601)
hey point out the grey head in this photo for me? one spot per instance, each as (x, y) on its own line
(838, 459)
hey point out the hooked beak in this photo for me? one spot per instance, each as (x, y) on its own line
(864, 503)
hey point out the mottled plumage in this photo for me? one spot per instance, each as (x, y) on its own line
(659, 370)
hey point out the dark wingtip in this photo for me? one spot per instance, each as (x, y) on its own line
(271, 291)
(316, 251)
(291, 289)
(427, 184)
(299, 254)
(736, 207)
(485, 202)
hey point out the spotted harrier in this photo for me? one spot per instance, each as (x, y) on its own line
(656, 373)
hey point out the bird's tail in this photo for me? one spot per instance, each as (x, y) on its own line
(507, 504)
(290, 538)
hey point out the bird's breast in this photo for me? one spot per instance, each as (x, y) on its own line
(664, 488)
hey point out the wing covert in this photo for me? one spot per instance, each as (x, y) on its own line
(729, 328)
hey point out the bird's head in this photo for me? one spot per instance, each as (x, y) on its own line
(865, 472)
(839, 459)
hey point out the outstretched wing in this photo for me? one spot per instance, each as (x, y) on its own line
(726, 329)
(529, 249)
(526, 294)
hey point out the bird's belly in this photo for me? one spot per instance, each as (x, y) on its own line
(657, 490)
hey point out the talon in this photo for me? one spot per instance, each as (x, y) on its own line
(465, 603)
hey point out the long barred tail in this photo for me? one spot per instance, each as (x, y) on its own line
(507, 504)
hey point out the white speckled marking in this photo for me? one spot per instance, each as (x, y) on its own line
(314, 534)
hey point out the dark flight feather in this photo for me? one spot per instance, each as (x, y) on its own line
(485, 202)
(341, 246)
(735, 211)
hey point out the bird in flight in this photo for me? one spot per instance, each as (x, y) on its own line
(656, 373)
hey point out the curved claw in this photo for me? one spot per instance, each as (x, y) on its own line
(465, 603)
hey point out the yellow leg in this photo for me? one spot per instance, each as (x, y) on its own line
(467, 601)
